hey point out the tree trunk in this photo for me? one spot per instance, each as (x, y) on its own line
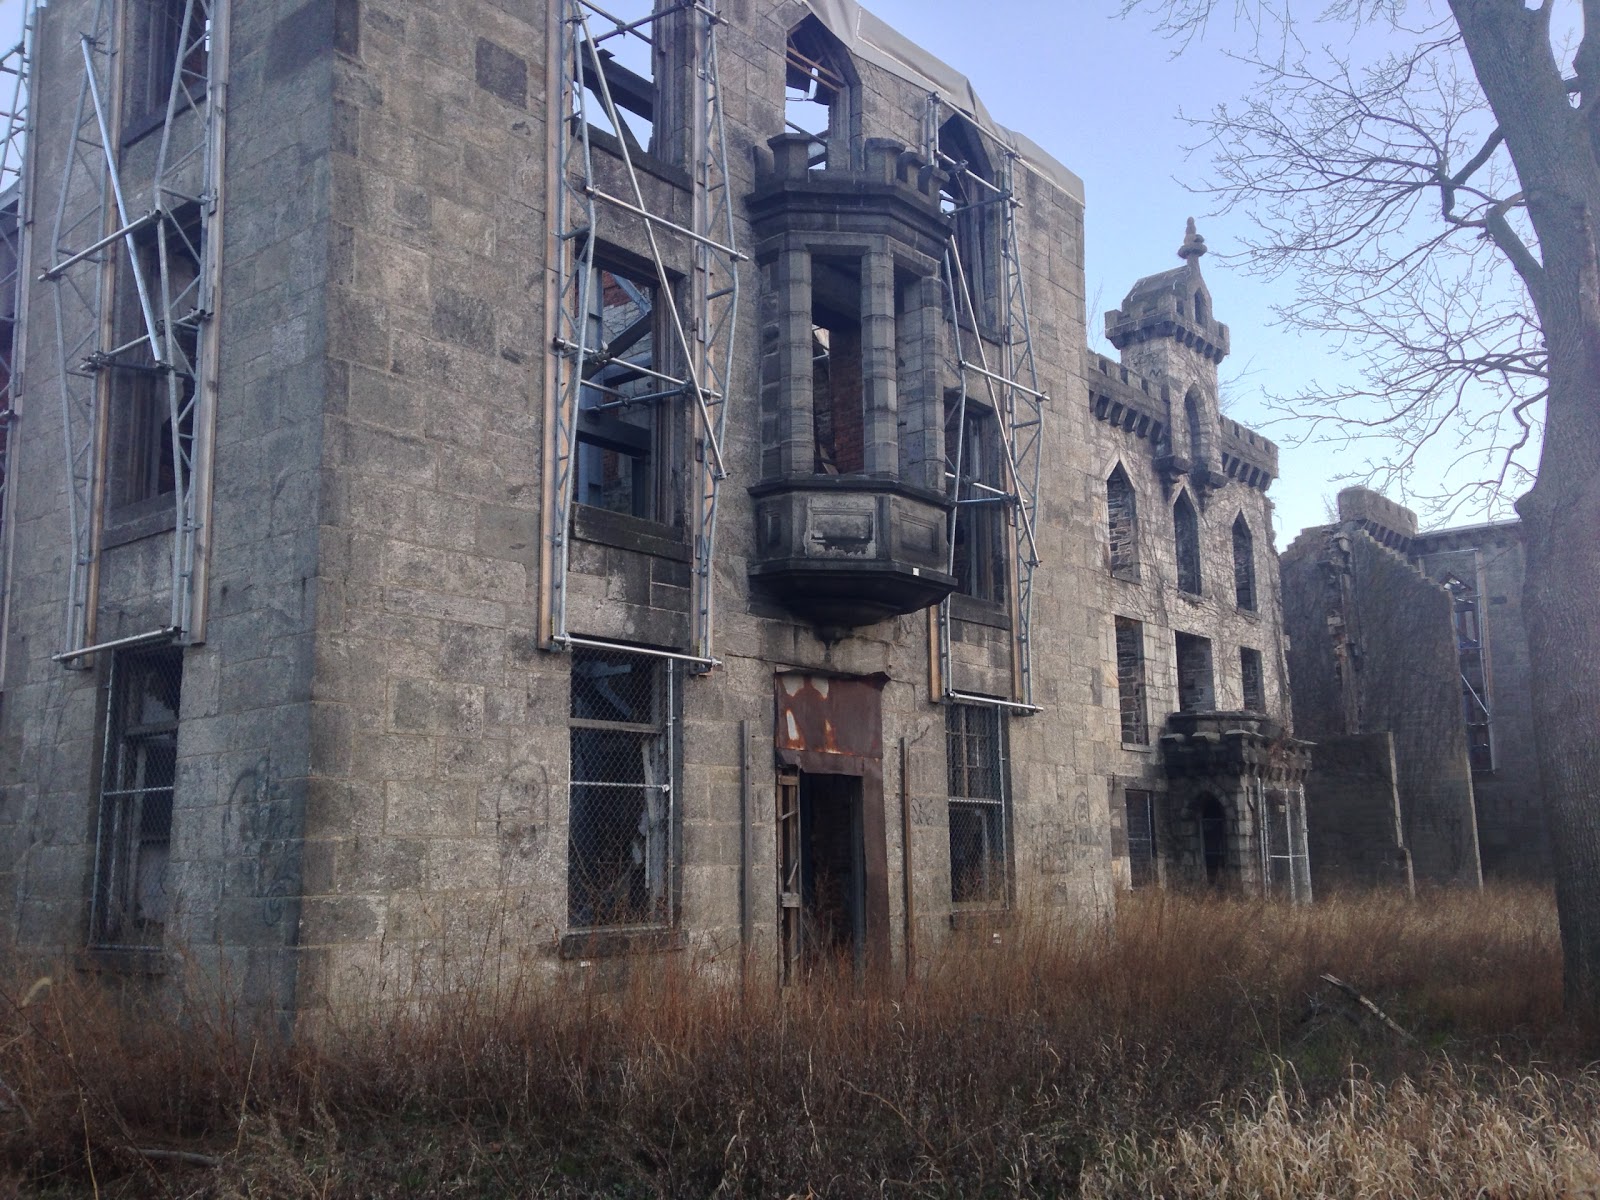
(1550, 144)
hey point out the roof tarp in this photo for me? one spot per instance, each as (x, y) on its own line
(871, 39)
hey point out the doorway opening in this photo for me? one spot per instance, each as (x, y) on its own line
(1214, 839)
(822, 872)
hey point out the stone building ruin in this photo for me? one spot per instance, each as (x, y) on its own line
(499, 485)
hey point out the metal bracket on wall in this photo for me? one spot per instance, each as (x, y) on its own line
(1011, 388)
(161, 251)
(697, 314)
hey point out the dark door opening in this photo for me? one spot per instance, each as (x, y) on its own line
(1214, 839)
(822, 873)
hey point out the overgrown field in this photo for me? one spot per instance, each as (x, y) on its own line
(1190, 1049)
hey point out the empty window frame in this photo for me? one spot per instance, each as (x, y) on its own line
(1244, 565)
(1191, 420)
(1196, 684)
(1139, 820)
(971, 200)
(166, 38)
(152, 411)
(130, 902)
(979, 541)
(621, 408)
(624, 64)
(818, 88)
(1252, 680)
(1122, 525)
(1131, 703)
(837, 384)
(620, 835)
(979, 861)
(1186, 544)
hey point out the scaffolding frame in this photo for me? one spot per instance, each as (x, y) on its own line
(95, 235)
(16, 67)
(701, 312)
(1011, 386)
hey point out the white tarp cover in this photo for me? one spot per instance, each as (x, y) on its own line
(873, 40)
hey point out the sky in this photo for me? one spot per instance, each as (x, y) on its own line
(1103, 95)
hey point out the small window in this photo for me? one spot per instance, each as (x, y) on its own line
(1201, 312)
(1196, 687)
(1253, 680)
(1122, 525)
(152, 412)
(138, 778)
(1139, 819)
(979, 863)
(1244, 565)
(837, 385)
(970, 199)
(170, 41)
(620, 856)
(979, 537)
(817, 91)
(1130, 682)
(1186, 538)
(619, 430)
(1474, 673)
(622, 63)
(1191, 419)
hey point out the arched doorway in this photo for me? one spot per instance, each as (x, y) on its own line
(1213, 839)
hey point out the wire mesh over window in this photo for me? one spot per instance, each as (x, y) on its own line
(1186, 533)
(1122, 525)
(1253, 679)
(131, 901)
(974, 735)
(1130, 681)
(1244, 565)
(1140, 822)
(620, 831)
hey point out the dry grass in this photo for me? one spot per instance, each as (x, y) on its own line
(1189, 1049)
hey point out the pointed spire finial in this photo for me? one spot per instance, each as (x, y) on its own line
(1193, 244)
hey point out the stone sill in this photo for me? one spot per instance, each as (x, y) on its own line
(983, 920)
(124, 960)
(135, 522)
(623, 532)
(979, 612)
(615, 943)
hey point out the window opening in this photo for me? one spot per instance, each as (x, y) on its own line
(837, 391)
(1186, 538)
(1253, 680)
(1474, 672)
(169, 37)
(620, 856)
(980, 538)
(138, 777)
(1196, 691)
(153, 402)
(970, 198)
(621, 62)
(1191, 419)
(1244, 565)
(816, 90)
(1139, 820)
(618, 431)
(1122, 525)
(1131, 681)
(1200, 312)
(979, 863)
(1214, 839)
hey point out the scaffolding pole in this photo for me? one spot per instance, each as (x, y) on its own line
(699, 317)
(165, 241)
(16, 67)
(1011, 386)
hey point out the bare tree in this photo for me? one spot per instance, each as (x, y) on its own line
(1442, 209)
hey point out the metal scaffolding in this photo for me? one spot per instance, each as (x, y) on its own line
(15, 83)
(1011, 386)
(696, 315)
(154, 252)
